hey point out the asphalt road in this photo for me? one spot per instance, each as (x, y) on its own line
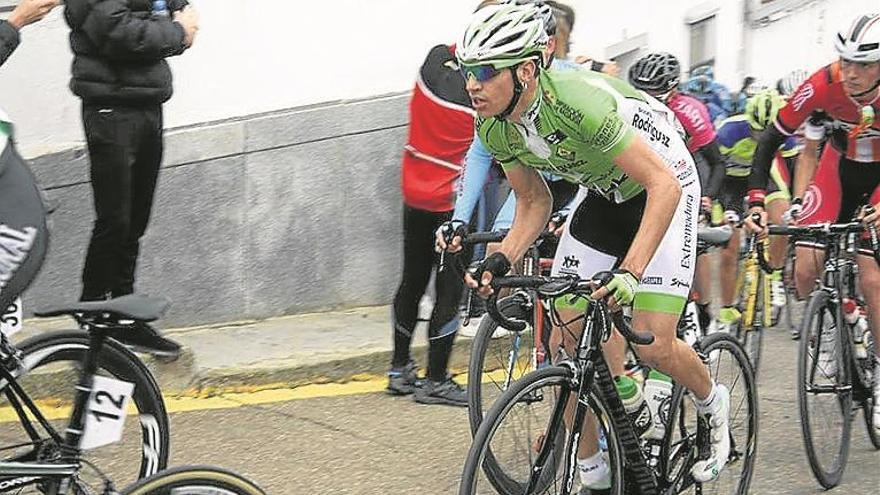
(369, 443)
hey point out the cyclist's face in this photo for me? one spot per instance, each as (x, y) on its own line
(859, 77)
(491, 97)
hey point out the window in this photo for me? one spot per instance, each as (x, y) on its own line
(703, 42)
(8, 5)
(763, 12)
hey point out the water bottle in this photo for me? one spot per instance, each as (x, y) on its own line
(658, 395)
(854, 315)
(634, 403)
(160, 8)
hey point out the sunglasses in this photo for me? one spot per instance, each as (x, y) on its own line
(481, 73)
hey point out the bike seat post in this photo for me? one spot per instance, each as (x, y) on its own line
(97, 329)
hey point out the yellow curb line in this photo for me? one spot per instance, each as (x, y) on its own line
(235, 397)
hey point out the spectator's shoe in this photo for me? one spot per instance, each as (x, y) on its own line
(713, 438)
(141, 337)
(446, 392)
(403, 381)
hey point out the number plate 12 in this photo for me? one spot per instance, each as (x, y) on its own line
(105, 415)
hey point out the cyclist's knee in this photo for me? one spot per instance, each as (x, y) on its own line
(660, 354)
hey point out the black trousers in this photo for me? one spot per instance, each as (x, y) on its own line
(125, 150)
(419, 259)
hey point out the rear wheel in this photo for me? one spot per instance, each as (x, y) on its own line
(51, 367)
(728, 365)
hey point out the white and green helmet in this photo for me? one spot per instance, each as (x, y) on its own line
(503, 35)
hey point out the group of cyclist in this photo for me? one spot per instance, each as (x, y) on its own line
(648, 157)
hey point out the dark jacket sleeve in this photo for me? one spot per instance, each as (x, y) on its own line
(124, 35)
(768, 144)
(717, 169)
(175, 5)
(8, 40)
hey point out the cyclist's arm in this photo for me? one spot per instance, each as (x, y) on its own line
(717, 168)
(477, 163)
(642, 165)
(533, 208)
(805, 170)
(768, 145)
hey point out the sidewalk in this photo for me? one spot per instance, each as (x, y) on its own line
(281, 352)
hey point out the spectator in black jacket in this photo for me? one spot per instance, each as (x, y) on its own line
(26, 12)
(120, 73)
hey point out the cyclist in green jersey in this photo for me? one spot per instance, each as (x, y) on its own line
(639, 201)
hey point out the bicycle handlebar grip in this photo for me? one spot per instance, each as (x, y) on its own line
(640, 338)
(508, 323)
(483, 237)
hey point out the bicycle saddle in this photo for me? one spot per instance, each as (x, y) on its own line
(132, 306)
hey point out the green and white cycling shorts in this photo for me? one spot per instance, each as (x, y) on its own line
(600, 232)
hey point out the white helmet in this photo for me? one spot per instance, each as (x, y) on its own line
(860, 41)
(503, 35)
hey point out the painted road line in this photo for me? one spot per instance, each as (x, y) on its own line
(54, 409)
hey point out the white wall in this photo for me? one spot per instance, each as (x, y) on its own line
(250, 56)
(263, 55)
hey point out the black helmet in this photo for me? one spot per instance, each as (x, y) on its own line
(656, 72)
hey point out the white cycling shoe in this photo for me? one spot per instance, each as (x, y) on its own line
(717, 422)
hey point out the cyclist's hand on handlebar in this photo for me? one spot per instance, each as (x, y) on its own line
(449, 236)
(793, 212)
(495, 265)
(756, 221)
(557, 223)
(869, 215)
(618, 285)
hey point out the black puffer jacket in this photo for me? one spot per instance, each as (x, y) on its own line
(8, 40)
(119, 50)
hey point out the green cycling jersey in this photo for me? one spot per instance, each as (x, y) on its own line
(579, 122)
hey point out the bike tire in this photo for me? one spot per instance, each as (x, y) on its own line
(828, 477)
(744, 455)
(870, 403)
(55, 348)
(504, 484)
(485, 347)
(194, 480)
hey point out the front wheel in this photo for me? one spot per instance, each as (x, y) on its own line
(525, 430)
(824, 390)
(194, 480)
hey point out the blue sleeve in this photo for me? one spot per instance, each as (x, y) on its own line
(504, 218)
(473, 179)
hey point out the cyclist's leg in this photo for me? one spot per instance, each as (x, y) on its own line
(778, 201)
(732, 196)
(577, 254)
(869, 283)
(821, 204)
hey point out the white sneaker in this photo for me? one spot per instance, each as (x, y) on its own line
(595, 473)
(718, 424)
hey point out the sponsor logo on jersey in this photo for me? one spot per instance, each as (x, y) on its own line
(652, 281)
(608, 132)
(680, 283)
(14, 248)
(570, 113)
(686, 251)
(565, 154)
(556, 137)
(646, 125)
(570, 261)
(805, 93)
(812, 201)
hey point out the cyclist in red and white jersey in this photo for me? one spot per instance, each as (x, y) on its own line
(839, 100)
